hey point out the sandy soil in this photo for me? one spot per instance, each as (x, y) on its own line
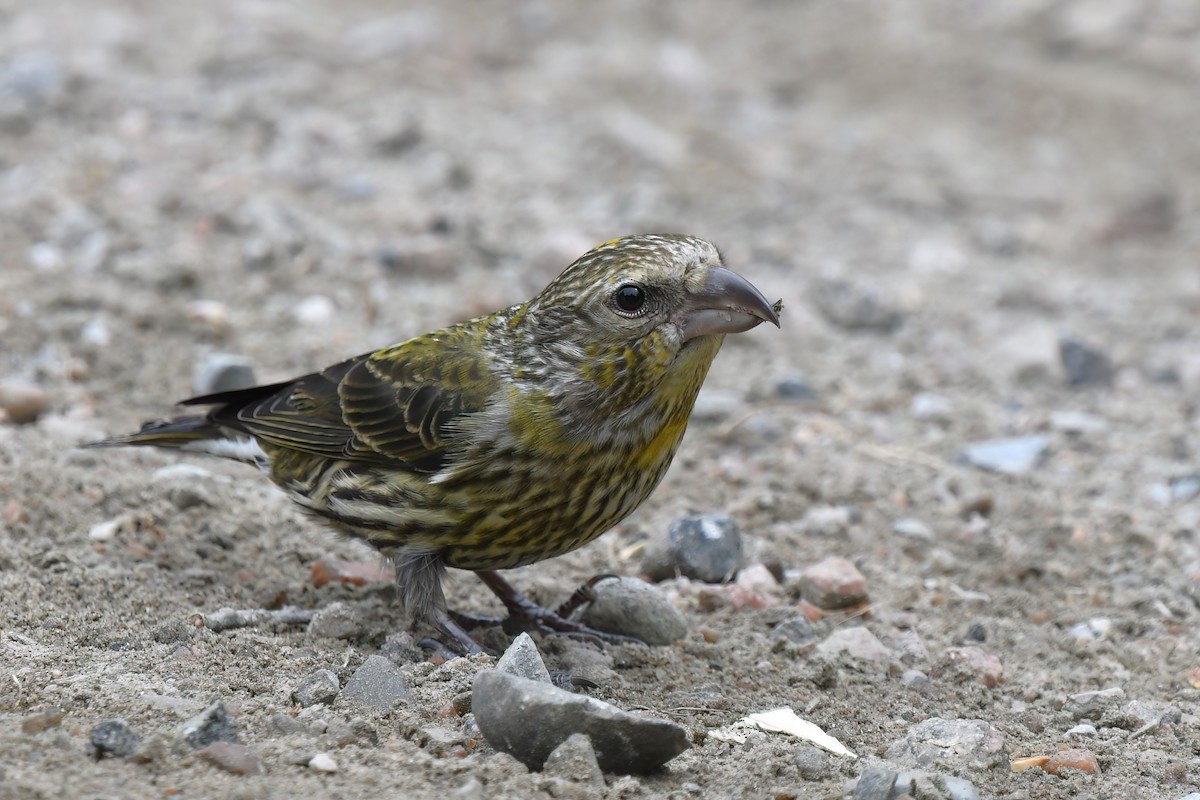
(299, 182)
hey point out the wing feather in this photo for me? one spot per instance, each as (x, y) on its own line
(398, 405)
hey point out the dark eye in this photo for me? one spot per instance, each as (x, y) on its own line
(630, 298)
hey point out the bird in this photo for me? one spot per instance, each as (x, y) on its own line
(500, 441)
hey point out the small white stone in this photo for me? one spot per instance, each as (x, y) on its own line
(314, 310)
(104, 531)
(323, 762)
(95, 333)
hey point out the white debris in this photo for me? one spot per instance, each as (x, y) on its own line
(780, 720)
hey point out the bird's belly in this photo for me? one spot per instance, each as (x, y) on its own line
(553, 510)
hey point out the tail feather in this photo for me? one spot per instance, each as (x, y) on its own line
(195, 434)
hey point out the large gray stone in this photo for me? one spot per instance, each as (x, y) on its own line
(378, 684)
(632, 607)
(529, 719)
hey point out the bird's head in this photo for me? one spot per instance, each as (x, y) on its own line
(632, 309)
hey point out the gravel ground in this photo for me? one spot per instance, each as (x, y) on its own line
(982, 219)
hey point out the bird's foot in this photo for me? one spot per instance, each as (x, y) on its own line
(526, 615)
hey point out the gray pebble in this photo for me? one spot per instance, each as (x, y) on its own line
(1093, 630)
(954, 743)
(857, 643)
(813, 763)
(529, 719)
(875, 783)
(321, 687)
(378, 684)
(926, 405)
(401, 648)
(523, 659)
(236, 759)
(1010, 456)
(1185, 488)
(958, 788)
(337, 621)
(632, 607)
(917, 681)
(223, 372)
(1084, 364)
(912, 528)
(1138, 714)
(575, 760)
(1092, 705)
(471, 789)
(933, 786)
(286, 723)
(797, 630)
(705, 547)
(795, 387)
(113, 737)
(213, 724)
(35, 76)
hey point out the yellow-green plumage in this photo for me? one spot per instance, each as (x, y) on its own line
(506, 439)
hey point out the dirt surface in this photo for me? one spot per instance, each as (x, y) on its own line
(300, 182)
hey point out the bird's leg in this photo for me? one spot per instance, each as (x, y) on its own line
(526, 615)
(581, 597)
(445, 622)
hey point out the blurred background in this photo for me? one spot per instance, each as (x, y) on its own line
(353, 173)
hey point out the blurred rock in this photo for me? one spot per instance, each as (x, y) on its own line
(797, 630)
(855, 642)
(926, 405)
(833, 583)
(323, 762)
(33, 76)
(912, 528)
(1138, 714)
(632, 607)
(213, 724)
(1027, 354)
(236, 759)
(315, 311)
(950, 744)
(338, 621)
(881, 783)
(985, 666)
(1092, 630)
(1077, 422)
(827, 520)
(705, 547)
(113, 737)
(759, 550)
(795, 387)
(1083, 364)
(1092, 705)
(21, 401)
(1009, 456)
(223, 372)
(211, 315)
(917, 681)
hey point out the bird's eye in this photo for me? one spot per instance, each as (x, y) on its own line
(630, 298)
